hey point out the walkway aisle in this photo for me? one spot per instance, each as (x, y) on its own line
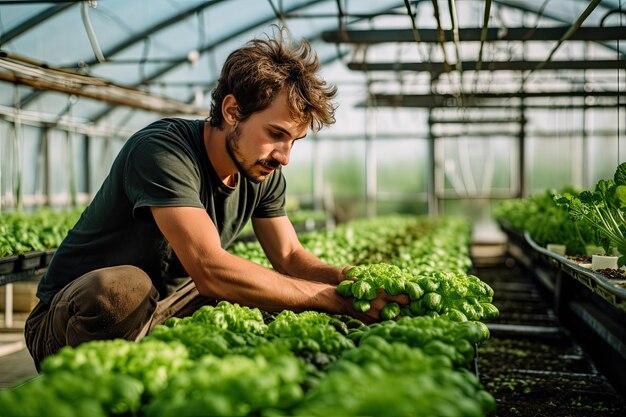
(16, 365)
(531, 364)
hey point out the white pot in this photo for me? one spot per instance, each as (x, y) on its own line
(603, 262)
(556, 248)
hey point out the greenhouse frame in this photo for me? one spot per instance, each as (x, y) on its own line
(474, 169)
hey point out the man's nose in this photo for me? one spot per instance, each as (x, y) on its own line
(282, 153)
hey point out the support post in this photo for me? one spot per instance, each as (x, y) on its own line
(8, 306)
(86, 165)
(433, 200)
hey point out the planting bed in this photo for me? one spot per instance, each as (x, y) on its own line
(531, 364)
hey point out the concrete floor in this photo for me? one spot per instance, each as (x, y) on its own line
(16, 365)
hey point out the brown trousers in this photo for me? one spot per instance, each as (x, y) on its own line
(108, 303)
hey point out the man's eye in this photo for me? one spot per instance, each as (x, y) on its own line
(276, 135)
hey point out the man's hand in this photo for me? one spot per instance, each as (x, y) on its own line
(344, 273)
(219, 274)
(377, 304)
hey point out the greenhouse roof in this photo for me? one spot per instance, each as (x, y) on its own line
(116, 63)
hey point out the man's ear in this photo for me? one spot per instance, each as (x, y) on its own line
(230, 110)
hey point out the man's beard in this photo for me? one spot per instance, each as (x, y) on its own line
(232, 147)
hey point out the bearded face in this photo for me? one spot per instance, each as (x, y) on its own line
(255, 170)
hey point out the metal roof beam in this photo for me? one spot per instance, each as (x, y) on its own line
(480, 99)
(545, 13)
(374, 36)
(204, 49)
(26, 72)
(126, 43)
(485, 120)
(440, 67)
(539, 106)
(153, 29)
(507, 94)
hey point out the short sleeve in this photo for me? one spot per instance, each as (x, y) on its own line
(160, 173)
(272, 201)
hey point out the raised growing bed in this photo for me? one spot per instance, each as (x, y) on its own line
(538, 369)
(591, 306)
(8, 264)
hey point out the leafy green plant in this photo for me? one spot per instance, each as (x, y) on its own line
(604, 209)
(42, 229)
(454, 294)
(546, 222)
(234, 360)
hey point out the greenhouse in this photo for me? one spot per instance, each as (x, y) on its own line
(313, 208)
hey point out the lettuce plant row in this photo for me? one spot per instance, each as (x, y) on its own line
(40, 230)
(230, 360)
(264, 369)
(44, 228)
(575, 218)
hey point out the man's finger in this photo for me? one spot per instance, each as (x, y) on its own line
(401, 299)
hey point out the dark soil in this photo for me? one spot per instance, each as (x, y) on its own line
(549, 395)
(579, 259)
(612, 273)
(556, 355)
(538, 375)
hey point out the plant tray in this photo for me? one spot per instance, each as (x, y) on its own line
(589, 278)
(29, 260)
(8, 264)
(46, 257)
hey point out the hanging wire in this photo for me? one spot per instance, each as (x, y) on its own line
(69, 149)
(618, 71)
(341, 17)
(201, 30)
(370, 160)
(398, 74)
(441, 37)
(278, 12)
(416, 35)
(455, 34)
(90, 32)
(567, 35)
(144, 58)
(483, 38)
(457, 49)
(538, 16)
(618, 52)
(341, 28)
(17, 144)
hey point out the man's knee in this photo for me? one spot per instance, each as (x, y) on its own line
(118, 292)
(110, 303)
(104, 304)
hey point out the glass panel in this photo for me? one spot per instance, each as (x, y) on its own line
(402, 167)
(479, 212)
(344, 167)
(483, 166)
(299, 173)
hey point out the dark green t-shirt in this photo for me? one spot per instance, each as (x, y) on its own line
(164, 165)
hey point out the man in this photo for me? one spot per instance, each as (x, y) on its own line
(191, 186)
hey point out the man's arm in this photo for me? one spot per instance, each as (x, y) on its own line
(284, 250)
(219, 274)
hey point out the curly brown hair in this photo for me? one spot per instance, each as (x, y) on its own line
(256, 73)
